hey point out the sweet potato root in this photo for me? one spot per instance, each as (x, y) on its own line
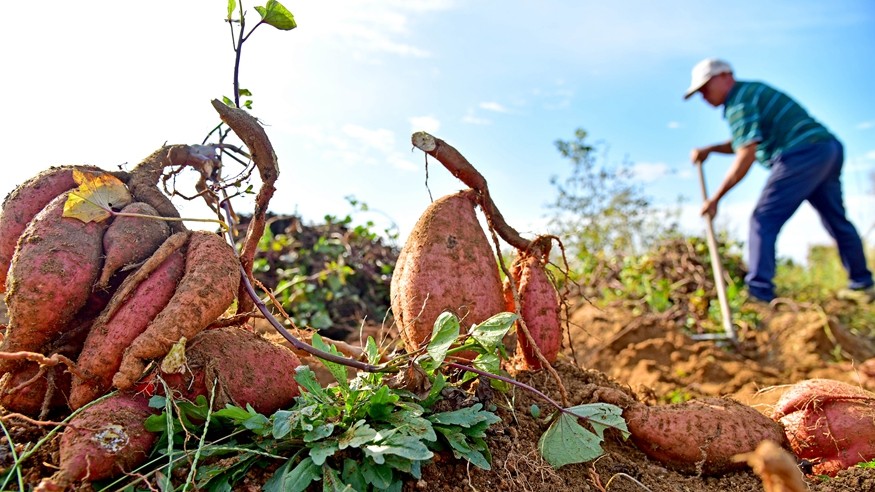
(829, 423)
(130, 240)
(247, 369)
(117, 328)
(700, 436)
(104, 441)
(206, 290)
(24, 389)
(445, 265)
(53, 270)
(22, 205)
(539, 309)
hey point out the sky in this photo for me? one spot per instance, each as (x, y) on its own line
(106, 83)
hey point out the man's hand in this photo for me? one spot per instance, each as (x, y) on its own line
(699, 155)
(709, 208)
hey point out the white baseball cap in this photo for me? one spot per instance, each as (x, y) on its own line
(703, 71)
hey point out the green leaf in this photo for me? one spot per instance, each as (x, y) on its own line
(282, 424)
(434, 394)
(400, 445)
(465, 417)
(352, 474)
(380, 476)
(602, 416)
(357, 435)
(336, 370)
(233, 413)
(382, 403)
(412, 424)
(331, 481)
(321, 451)
(490, 363)
(566, 442)
(232, 5)
(372, 350)
(275, 14)
(245, 92)
(445, 332)
(297, 479)
(305, 377)
(491, 332)
(319, 432)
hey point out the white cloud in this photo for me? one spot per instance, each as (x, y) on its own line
(870, 155)
(493, 106)
(428, 124)
(674, 124)
(369, 27)
(380, 139)
(865, 125)
(474, 120)
(399, 162)
(650, 171)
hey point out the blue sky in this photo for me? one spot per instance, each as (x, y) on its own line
(106, 83)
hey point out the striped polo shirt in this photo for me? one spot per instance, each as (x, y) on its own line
(759, 113)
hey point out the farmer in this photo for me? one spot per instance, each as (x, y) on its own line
(805, 163)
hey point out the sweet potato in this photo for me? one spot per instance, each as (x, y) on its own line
(247, 368)
(130, 240)
(699, 436)
(22, 205)
(105, 440)
(539, 309)
(117, 328)
(446, 264)
(206, 290)
(829, 423)
(24, 390)
(53, 270)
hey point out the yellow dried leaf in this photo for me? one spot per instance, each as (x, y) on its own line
(174, 362)
(98, 193)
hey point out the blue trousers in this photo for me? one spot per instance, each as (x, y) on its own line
(809, 172)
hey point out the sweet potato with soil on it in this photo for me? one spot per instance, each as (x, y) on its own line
(118, 327)
(539, 309)
(25, 202)
(53, 270)
(446, 264)
(698, 436)
(25, 391)
(104, 441)
(130, 240)
(247, 368)
(828, 422)
(206, 290)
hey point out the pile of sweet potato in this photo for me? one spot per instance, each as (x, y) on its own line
(448, 265)
(110, 294)
(95, 305)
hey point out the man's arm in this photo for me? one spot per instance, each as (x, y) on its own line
(700, 154)
(744, 158)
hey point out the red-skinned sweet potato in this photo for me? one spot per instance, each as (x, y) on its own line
(25, 391)
(539, 309)
(24, 203)
(104, 441)
(130, 240)
(118, 327)
(206, 290)
(446, 264)
(247, 368)
(829, 423)
(698, 436)
(53, 270)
